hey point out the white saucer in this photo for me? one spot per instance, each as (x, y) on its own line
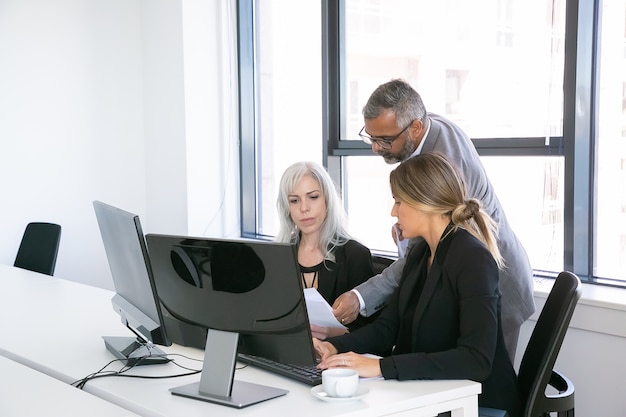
(318, 391)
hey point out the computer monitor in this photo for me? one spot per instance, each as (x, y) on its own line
(135, 298)
(247, 293)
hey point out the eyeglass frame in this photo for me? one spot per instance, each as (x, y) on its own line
(385, 142)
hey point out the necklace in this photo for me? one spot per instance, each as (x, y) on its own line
(307, 270)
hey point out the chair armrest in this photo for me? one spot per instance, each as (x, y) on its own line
(561, 401)
(562, 384)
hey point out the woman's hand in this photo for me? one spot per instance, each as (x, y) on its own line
(366, 366)
(322, 333)
(323, 349)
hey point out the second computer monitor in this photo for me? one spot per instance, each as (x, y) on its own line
(246, 292)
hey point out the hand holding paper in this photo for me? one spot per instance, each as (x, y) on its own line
(320, 313)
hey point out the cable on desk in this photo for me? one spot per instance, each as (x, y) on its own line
(101, 373)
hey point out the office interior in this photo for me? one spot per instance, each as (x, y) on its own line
(121, 101)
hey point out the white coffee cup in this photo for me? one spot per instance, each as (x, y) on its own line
(340, 382)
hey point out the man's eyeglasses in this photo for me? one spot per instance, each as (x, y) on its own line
(385, 142)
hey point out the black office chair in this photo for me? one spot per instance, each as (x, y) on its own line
(536, 371)
(380, 263)
(39, 247)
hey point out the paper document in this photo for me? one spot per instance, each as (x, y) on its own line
(320, 312)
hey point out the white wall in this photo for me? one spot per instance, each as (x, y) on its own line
(94, 105)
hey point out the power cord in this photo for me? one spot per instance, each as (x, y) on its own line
(102, 372)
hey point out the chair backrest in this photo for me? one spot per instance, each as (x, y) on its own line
(380, 263)
(536, 367)
(39, 247)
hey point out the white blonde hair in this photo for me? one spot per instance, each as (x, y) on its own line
(333, 230)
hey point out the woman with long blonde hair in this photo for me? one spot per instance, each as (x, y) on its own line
(443, 321)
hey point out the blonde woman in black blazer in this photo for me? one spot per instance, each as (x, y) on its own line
(443, 321)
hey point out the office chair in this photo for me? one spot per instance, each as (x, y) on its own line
(380, 263)
(536, 371)
(39, 247)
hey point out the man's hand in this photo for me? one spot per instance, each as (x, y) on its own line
(396, 234)
(346, 307)
(399, 240)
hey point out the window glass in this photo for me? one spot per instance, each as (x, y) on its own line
(369, 202)
(532, 198)
(495, 67)
(289, 101)
(610, 239)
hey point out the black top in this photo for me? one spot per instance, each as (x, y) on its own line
(352, 266)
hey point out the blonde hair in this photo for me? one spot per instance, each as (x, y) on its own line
(432, 184)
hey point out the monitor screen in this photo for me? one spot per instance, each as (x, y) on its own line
(135, 298)
(247, 293)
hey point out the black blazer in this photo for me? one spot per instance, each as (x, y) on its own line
(352, 266)
(454, 325)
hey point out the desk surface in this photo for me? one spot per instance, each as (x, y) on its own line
(56, 326)
(27, 392)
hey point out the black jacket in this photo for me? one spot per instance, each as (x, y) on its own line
(352, 266)
(452, 330)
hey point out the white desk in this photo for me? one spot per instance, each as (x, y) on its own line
(56, 327)
(27, 392)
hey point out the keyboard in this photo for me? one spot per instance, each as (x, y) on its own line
(309, 374)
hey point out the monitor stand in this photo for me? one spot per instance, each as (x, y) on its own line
(134, 352)
(217, 384)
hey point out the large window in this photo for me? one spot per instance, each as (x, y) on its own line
(285, 100)
(552, 143)
(491, 68)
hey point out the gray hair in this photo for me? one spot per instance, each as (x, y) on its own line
(398, 97)
(333, 231)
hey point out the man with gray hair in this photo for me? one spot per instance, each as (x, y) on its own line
(397, 126)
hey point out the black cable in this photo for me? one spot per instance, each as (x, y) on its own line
(81, 382)
(101, 373)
